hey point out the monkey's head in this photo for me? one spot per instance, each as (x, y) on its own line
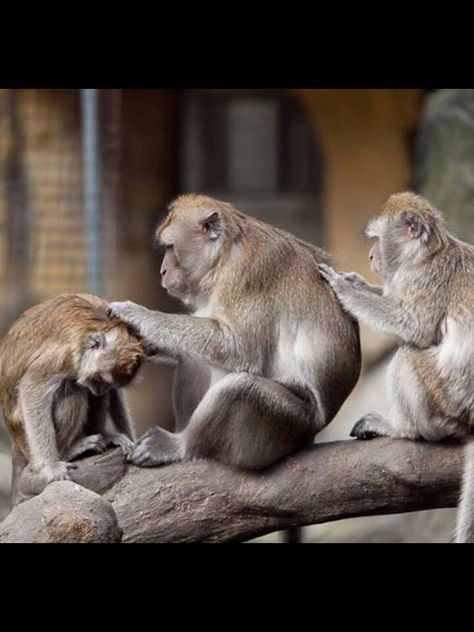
(196, 234)
(407, 229)
(110, 358)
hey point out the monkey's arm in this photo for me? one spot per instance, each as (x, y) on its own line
(36, 399)
(178, 335)
(379, 312)
(120, 414)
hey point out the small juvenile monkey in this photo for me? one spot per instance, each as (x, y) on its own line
(63, 364)
(267, 357)
(428, 301)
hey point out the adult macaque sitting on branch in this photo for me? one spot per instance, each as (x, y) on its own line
(267, 357)
(427, 300)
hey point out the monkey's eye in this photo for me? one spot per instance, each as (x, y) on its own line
(168, 246)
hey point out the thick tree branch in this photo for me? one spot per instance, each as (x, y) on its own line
(209, 502)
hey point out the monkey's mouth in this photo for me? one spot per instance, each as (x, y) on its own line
(98, 386)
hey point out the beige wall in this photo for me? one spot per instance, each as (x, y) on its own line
(364, 136)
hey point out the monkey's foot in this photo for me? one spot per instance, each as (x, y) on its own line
(156, 447)
(92, 443)
(370, 426)
(121, 441)
(57, 471)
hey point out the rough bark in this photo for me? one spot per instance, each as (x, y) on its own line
(209, 502)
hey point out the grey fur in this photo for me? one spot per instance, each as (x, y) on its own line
(428, 301)
(267, 356)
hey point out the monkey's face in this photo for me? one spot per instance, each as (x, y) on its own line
(110, 359)
(194, 236)
(387, 249)
(406, 229)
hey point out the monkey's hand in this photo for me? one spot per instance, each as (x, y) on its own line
(131, 314)
(56, 471)
(356, 280)
(338, 281)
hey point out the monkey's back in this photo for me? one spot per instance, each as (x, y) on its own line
(334, 334)
(317, 342)
(47, 335)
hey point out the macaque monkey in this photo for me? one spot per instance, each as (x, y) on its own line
(427, 300)
(267, 356)
(63, 364)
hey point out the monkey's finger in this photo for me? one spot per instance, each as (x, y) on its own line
(323, 267)
(123, 442)
(328, 275)
(143, 455)
(142, 458)
(326, 270)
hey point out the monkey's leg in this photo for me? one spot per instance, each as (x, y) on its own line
(19, 463)
(120, 415)
(244, 420)
(190, 384)
(36, 398)
(465, 515)
(410, 413)
(406, 404)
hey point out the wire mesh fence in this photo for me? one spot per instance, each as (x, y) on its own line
(45, 240)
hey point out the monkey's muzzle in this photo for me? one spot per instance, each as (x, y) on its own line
(99, 386)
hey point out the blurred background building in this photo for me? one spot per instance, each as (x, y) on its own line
(85, 176)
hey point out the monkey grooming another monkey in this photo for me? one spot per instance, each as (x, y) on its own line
(267, 357)
(428, 301)
(63, 364)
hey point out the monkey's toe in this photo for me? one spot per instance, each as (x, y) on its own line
(123, 442)
(92, 444)
(362, 430)
(156, 447)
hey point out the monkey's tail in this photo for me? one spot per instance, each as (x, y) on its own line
(465, 516)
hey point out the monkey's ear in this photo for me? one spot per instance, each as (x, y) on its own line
(212, 225)
(95, 340)
(414, 225)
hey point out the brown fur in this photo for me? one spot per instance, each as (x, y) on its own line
(51, 337)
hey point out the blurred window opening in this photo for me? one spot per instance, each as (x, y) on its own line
(256, 149)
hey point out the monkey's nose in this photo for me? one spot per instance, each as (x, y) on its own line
(163, 272)
(371, 257)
